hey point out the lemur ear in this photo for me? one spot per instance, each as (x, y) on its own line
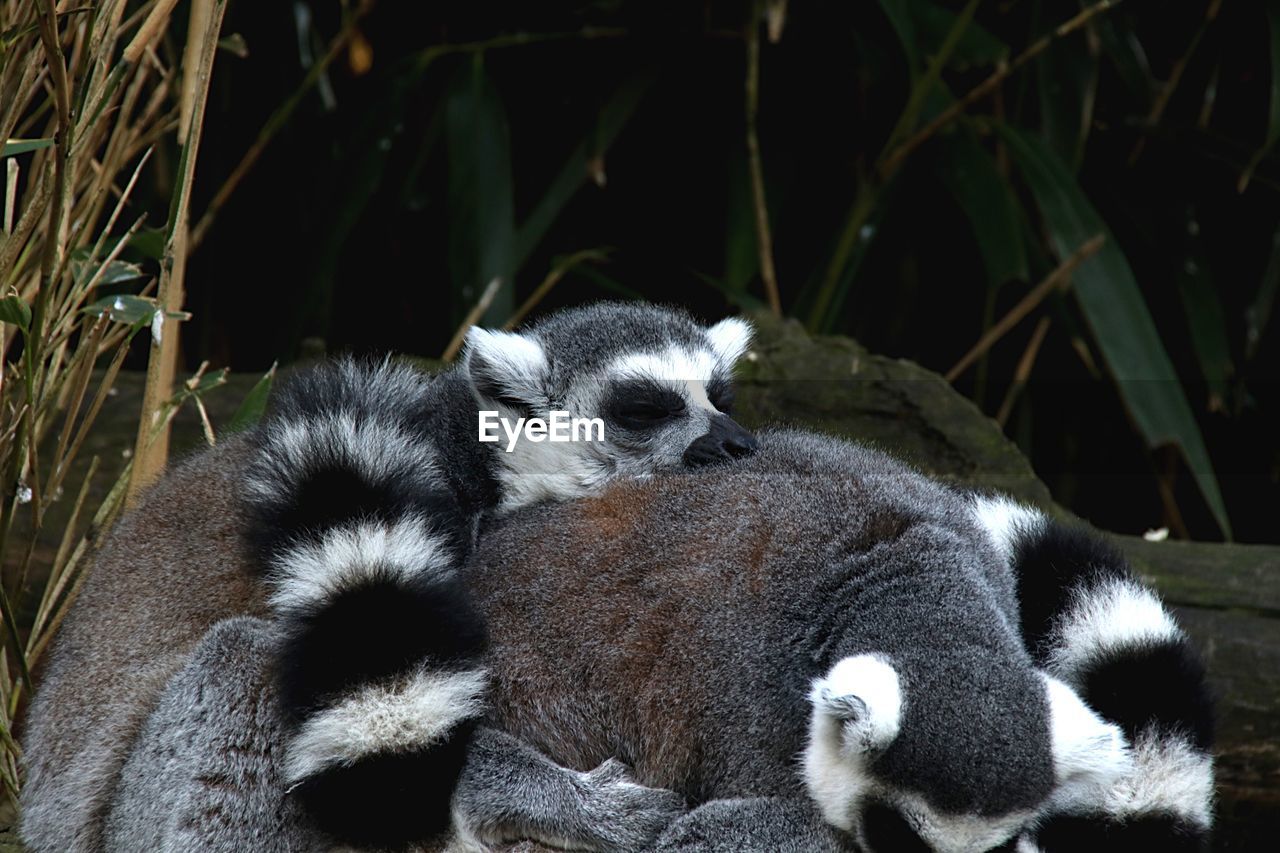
(507, 368)
(730, 339)
(1089, 754)
(862, 695)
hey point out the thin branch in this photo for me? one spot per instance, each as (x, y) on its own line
(473, 317)
(977, 93)
(553, 278)
(1023, 371)
(1060, 277)
(1175, 77)
(764, 237)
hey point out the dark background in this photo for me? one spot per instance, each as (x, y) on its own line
(411, 176)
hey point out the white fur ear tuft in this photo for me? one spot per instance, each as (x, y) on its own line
(862, 694)
(506, 367)
(730, 339)
(1090, 755)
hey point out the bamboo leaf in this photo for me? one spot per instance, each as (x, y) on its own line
(900, 19)
(115, 272)
(977, 46)
(480, 190)
(1066, 81)
(966, 169)
(13, 147)
(254, 404)
(1205, 316)
(1122, 325)
(126, 308)
(1273, 123)
(15, 311)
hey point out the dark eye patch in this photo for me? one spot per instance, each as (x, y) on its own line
(720, 393)
(643, 405)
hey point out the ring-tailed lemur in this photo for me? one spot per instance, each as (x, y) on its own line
(943, 644)
(342, 517)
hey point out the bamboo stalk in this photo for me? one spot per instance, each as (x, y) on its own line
(151, 452)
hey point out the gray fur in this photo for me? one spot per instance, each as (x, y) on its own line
(169, 572)
(754, 825)
(723, 595)
(180, 564)
(205, 772)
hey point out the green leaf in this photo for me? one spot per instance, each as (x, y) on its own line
(900, 19)
(480, 190)
(1121, 46)
(16, 312)
(1066, 83)
(966, 169)
(206, 382)
(1273, 123)
(126, 308)
(977, 46)
(115, 272)
(253, 405)
(1204, 313)
(14, 147)
(1109, 297)
(148, 242)
(1258, 314)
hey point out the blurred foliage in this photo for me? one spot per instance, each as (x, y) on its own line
(926, 163)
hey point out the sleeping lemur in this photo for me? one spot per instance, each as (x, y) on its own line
(977, 676)
(343, 519)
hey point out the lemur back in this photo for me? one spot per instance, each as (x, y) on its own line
(343, 518)
(685, 623)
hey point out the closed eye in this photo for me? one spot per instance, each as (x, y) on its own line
(644, 405)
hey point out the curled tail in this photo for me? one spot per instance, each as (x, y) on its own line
(1089, 621)
(360, 538)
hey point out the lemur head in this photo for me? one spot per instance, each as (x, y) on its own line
(660, 385)
(872, 776)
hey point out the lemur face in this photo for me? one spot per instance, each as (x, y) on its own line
(658, 387)
(857, 714)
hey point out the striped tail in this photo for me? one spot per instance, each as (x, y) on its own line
(1090, 622)
(360, 537)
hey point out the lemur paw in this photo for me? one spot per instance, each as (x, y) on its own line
(625, 814)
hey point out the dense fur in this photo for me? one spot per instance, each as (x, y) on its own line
(1090, 622)
(342, 520)
(170, 571)
(680, 624)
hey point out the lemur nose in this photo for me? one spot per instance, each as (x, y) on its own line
(724, 440)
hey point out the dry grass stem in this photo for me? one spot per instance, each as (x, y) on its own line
(1060, 277)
